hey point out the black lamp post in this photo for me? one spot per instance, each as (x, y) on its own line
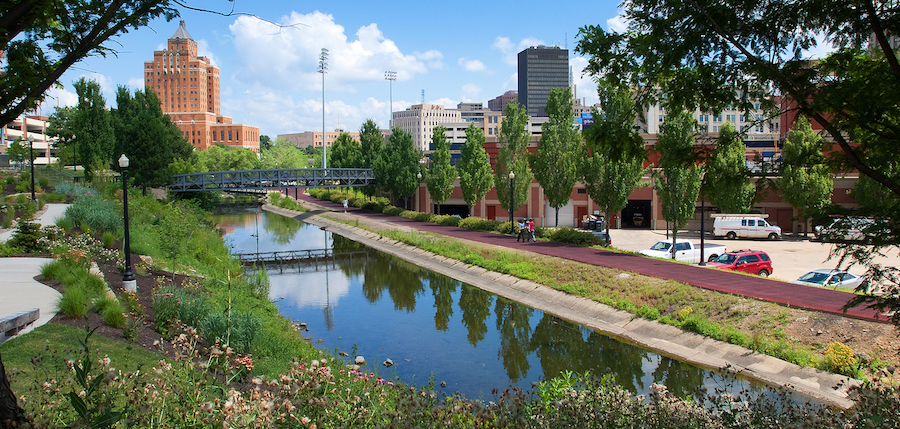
(512, 181)
(128, 281)
(31, 158)
(702, 230)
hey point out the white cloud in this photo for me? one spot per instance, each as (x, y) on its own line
(585, 87)
(470, 91)
(431, 58)
(472, 65)
(617, 24)
(509, 52)
(446, 102)
(287, 58)
(136, 83)
(512, 82)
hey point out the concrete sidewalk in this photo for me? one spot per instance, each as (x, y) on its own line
(18, 288)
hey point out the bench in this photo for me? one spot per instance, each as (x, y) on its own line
(12, 324)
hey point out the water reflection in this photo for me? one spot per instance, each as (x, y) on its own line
(429, 324)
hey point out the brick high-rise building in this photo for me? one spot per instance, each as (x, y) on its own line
(188, 89)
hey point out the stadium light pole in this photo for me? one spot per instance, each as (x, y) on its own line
(323, 68)
(391, 76)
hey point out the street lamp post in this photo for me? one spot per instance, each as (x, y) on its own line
(512, 180)
(702, 218)
(31, 158)
(128, 281)
(418, 185)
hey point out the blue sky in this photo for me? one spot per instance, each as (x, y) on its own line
(455, 51)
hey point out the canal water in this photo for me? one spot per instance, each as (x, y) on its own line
(435, 328)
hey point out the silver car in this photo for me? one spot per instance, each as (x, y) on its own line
(830, 278)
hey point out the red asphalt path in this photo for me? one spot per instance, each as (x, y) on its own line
(806, 297)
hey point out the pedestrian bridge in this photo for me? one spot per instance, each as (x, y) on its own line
(262, 180)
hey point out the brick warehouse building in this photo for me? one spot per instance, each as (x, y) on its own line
(188, 89)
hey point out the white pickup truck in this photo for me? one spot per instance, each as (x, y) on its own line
(685, 251)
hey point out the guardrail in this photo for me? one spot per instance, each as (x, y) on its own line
(256, 180)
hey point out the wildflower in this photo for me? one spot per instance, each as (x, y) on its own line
(305, 420)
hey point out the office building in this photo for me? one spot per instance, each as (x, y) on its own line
(188, 89)
(541, 69)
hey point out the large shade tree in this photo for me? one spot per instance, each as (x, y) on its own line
(397, 165)
(805, 182)
(42, 39)
(554, 162)
(345, 152)
(613, 163)
(474, 167)
(441, 173)
(513, 158)
(727, 181)
(87, 128)
(148, 137)
(712, 54)
(677, 181)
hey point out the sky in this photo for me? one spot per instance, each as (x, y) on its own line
(267, 53)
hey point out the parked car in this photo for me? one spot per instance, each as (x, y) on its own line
(848, 228)
(830, 278)
(745, 261)
(733, 226)
(685, 251)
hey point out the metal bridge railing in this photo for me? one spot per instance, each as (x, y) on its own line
(248, 180)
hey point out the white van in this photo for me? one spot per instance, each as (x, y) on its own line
(733, 226)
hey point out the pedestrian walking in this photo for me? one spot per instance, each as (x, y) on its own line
(521, 226)
(531, 229)
(346, 204)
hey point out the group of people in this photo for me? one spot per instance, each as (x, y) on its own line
(526, 230)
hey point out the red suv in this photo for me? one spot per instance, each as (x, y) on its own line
(745, 261)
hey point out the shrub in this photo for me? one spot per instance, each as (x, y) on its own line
(112, 310)
(27, 236)
(392, 211)
(43, 182)
(479, 224)
(447, 220)
(839, 358)
(192, 308)
(73, 303)
(74, 190)
(507, 227)
(94, 213)
(259, 283)
(648, 312)
(571, 236)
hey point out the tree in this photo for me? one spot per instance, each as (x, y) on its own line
(554, 163)
(805, 182)
(714, 54)
(17, 151)
(345, 152)
(513, 157)
(370, 140)
(283, 154)
(148, 137)
(678, 183)
(608, 170)
(57, 126)
(397, 165)
(265, 142)
(92, 128)
(474, 167)
(727, 181)
(441, 174)
(42, 39)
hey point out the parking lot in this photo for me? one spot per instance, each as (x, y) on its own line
(791, 257)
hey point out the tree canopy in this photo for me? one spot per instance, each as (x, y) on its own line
(148, 138)
(474, 167)
(727, 181)
(345, 152)
(42, 39)
(554, 161)
(513, 157)
(441, 174)
(805, 181)
(678, 180)
(397, 165)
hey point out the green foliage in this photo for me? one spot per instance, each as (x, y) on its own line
(554, 163)
(727, 181)
(392, 211)
(73, 303)
(237, 329)
(446, 220)
(74, 190)
(573, 236)
(148, 137)
(513, 158)
(283, 154)
(345, 153)
(474, 167)
(397, 165)
(259, 283)
(97, 214)
(27, 236)
(805, 182)
(370, 140)
(479, 224)
(678, 183)
(441, 174)
(112, 310)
